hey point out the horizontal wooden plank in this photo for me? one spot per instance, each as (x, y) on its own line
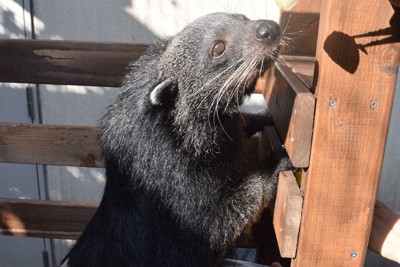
(49, 144)
(41, 218)
(63, 145)
(287, 214)
(66, 62)
(303, 67)
(292, 107)
(57, 219)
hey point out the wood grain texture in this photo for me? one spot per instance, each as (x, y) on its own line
(41, 218)
(66, 62)
(302, 66)
(287, 214)
(49, 144)
(356, 72)
(62, 220)
(292, 108)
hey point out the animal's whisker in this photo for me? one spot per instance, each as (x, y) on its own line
(278, 60)
(244, 78)
(220, 92)
(287, 25)
(234, 76)
(241, 75)
(296, 33)
(261, 68)
(223, 88)
(244, 69)
(210, 92)
(218, 75)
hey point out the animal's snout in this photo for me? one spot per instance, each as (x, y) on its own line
(268, 31)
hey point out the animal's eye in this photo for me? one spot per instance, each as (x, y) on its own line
(217, 49)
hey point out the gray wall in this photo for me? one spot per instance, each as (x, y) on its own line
(133, 21)
(18, 180)
(389, 187)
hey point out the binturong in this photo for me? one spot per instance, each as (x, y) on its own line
(179, 190)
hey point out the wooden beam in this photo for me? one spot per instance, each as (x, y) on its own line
(303, 67)
(64, 145)
(292, 107)
(59, 219)
(41, 218)
(66, 62)
(49, 144)
(356, 72)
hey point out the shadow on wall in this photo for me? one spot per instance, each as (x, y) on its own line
(91, 21)
(12, 30)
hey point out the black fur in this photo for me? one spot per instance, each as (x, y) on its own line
(178, 188)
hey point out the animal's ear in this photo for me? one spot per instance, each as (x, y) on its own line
(163, 93)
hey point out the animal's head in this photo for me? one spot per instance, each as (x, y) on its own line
(215, 61)
(205, 71)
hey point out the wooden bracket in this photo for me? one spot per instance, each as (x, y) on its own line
(292, 107)
(287, 214)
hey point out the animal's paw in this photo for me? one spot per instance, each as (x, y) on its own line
(267, 115)
(264, 118)
(285, 164)
(255, 122)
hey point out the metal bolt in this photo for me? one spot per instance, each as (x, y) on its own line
(332, 102)
(354, 254)
(373, 104)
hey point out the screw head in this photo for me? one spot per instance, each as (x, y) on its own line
(373, 104)
(354, 254)
(332, 102)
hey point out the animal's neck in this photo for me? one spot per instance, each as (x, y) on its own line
(204, 136)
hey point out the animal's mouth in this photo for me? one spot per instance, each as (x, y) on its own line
(263, 65)
(242, 82)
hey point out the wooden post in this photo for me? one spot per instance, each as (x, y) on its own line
(357, 62)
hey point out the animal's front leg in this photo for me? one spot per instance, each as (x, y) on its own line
(246, 200)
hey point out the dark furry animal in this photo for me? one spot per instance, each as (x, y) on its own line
(179, 190)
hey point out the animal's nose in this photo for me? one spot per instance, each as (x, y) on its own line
(267, 31)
